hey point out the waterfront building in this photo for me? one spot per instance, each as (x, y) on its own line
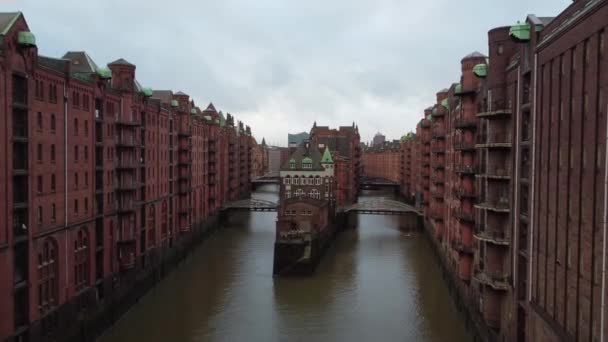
(103, 180)
(383, 161)
(523, 201)
(297, 138)
(306, 208)
(345, 144)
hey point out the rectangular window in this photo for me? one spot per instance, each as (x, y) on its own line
(39, 121)
(39, 215)
(75, 206)
(75, 153)
(86, 205)
(86, 153)
(53, 212)
(39, 153)
(39, 186)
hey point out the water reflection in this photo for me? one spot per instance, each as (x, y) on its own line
(375, 283)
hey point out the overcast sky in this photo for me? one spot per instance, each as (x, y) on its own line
(279, 65)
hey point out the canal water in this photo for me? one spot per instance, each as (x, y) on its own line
(377, 282)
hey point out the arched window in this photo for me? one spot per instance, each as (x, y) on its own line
(314, 193)
(295, 180)
(299, 193)
(47, 276)
(81, 260)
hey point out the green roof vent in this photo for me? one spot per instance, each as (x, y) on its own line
(147, 92)
(207, 117)
(481, 70)
(445, 103)
(193, 111)
(26, 38)
(429, 117)
(434, 110)
(104, 73)
(174, 103)
(458, 88)
(520, 31)
(307, 160)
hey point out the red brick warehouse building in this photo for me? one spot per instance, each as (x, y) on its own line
(510, 170)
(101, 181)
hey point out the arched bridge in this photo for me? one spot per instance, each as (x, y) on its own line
(371, 182)
(269, 178)
(251, 204)
(381, 206)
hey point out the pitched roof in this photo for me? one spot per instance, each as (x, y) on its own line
(81, 62)
(327, 157)
(181, 93)
(305, 150)
(338, 144)
(7, 20)
(122, 61)
(210, 108)
(57, 64)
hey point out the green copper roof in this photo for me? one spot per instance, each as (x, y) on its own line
(480, 70)
(306, 160)
(207, 117)
(11, 22)
(147, 92)
(445, 103)
(193, 111)
(429, 117)
(458, 88)
(520, 31)
(26, 38)
(327, 159)
(434, 110)
(292, 163)
(104, 73)
(174, 103)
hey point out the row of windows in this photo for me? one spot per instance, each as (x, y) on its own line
(314, 193)
(40, 211)
(294, 212)
(39, 91)
(39, 153)
(304, 181)
(76, 100)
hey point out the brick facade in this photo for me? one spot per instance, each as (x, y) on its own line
(100, 178)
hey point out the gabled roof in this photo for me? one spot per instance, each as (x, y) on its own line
(121, 61)
(327, 159)
(80, 62)
(210, 108)
(7, 20)
(306, 150)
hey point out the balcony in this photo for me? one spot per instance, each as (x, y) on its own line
(126, 142)
(464, 193)
(498, 206)
(128, 185)
(466, 123)
(496, 237)
(495, 140)
(464, 146)
(465, 170)
(498, 282)
(498, 173)
(464, 216)
(128, 122)
(127, 165)
(499, 113)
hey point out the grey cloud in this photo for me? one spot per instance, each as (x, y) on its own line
(278, 64)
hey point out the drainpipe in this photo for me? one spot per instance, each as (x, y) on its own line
(515, 144)
(65, 180)
(602, 314)
(532, 209)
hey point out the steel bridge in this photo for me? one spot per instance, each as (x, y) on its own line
(251, 204)
(370, 182)
(380, 206)
(269, 178)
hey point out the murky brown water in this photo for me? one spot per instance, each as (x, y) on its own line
(375, 283)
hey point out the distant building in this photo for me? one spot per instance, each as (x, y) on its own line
(274, 159)
(296, 139)
(379, 139)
